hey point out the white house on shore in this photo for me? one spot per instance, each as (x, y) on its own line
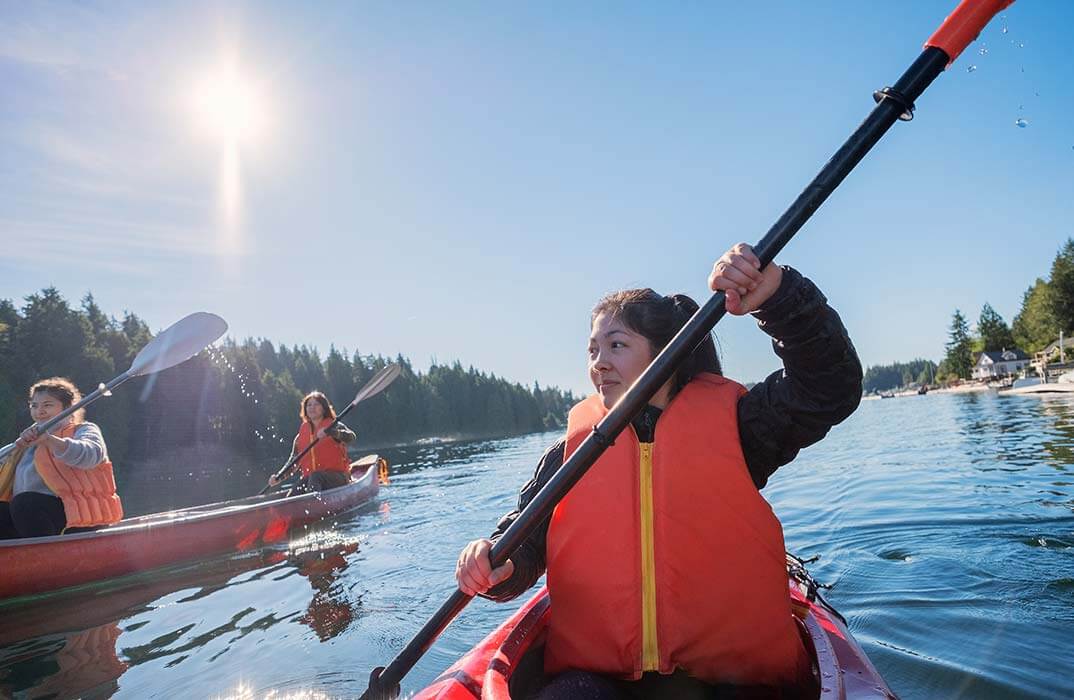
(1000, 364)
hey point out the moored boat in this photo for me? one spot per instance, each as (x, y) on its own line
(508, 662)
(45, 564)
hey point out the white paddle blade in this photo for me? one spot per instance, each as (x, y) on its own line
(179, 342)
(380, 381)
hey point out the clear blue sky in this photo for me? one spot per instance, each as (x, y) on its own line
(464, 180)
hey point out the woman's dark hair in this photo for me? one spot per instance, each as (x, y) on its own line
(658, 318)
(320, 398)
(63, 390)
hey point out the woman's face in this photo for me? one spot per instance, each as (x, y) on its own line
(314, 410)
(617, 356)
(44, 406)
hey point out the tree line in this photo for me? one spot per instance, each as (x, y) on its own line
(1047, 308)
(899, 374)
(245, 395)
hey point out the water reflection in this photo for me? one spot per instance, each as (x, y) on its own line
(66, 646)
(73, 645)
(81, 664)
(329, 611)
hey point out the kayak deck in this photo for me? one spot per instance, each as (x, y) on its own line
(509, 661)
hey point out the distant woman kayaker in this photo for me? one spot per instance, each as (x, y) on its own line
(666, 567)
(59, 482)
(326, 466)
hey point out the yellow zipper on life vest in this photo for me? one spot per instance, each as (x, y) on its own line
(650, 650)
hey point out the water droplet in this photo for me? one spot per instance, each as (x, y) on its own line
(1021, 123)
(971, 68)
(1021, 44)
(983, 51)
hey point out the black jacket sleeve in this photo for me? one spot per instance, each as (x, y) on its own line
(818, 387)
(529, 559)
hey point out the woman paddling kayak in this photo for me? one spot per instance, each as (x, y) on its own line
(326, 466)
(666, 567)
(60, 482)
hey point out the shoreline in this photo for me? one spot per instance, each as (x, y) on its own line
(1052, 388)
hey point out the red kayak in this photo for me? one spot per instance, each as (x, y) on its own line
(508, 662)
(44, 564)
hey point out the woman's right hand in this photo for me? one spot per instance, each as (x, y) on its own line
(474, 572)
(27, 437)
(746, 286)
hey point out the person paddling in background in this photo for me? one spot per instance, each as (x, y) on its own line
(326, 466)
(666, 567)
(60, 482)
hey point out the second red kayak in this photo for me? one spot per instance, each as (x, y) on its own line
(45, 564)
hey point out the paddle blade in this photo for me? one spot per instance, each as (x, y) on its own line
(178, 342)
(380, 381)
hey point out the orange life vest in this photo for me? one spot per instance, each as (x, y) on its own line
(665, 555)
(326, 456)
(89, 495)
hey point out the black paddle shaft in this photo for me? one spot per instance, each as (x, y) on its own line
(893, 103)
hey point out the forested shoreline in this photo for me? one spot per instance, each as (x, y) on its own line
(244, 395)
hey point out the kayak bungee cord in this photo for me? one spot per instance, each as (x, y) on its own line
(958, 30)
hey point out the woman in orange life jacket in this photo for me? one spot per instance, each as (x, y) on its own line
(666, 567)
(326, 466)
(59, 482)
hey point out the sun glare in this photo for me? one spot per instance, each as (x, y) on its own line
(229, 107)
(231, 110)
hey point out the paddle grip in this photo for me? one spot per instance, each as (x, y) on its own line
(963, 25)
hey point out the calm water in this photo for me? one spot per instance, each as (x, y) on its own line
(946, 524)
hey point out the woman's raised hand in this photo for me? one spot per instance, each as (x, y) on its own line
(474, 571)
(738, 273)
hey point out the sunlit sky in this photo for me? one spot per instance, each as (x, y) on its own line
(464, 180)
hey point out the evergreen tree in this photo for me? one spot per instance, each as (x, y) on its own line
(959, 347)
(1035, 326)
(899, 374)
(1061, 283)
(993, 331)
